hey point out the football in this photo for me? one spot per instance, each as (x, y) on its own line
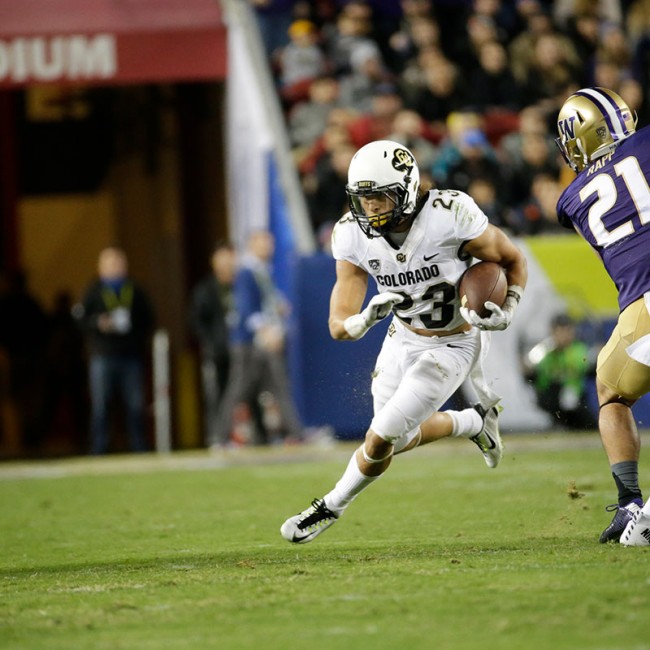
(481, 283)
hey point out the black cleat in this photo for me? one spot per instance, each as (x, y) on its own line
(621, 519)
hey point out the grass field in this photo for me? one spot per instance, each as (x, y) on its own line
(185, 552)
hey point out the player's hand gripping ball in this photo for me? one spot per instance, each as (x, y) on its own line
(486, 300)
(481, 283)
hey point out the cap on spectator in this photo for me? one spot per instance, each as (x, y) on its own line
(301, 28)
(474, 138)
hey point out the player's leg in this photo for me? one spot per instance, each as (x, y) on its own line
(621, 380)
(434, 374)
(477, 424)
(480, 424)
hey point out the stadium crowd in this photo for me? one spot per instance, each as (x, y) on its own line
(472, 87)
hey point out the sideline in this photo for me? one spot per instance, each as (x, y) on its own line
(202, 460)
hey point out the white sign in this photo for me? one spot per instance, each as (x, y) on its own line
(58, 58)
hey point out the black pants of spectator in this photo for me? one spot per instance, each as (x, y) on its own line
(215, 370)
(253, 371)
(579, 418)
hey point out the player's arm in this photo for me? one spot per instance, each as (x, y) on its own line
(346, 322)
(493, 245)
(347, 297)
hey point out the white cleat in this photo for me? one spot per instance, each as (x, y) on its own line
(637, 531)
(488, 439)
(308, 524)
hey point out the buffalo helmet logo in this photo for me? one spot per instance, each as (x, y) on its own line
(375, 265)
(403, 161)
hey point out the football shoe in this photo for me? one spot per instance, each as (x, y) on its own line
(622, 517)
(488, 439)
(308, 524)
(637, 531)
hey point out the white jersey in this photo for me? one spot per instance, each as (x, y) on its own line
(426, 268)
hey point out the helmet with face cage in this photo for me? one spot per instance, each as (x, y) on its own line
(590, 124)
(382, 189)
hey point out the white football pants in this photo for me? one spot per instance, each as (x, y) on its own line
(415, 375)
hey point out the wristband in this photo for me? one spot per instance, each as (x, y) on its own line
(515, 292)
(356, 326)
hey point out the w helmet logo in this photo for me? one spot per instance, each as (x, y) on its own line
(403, 160)
(567, 130)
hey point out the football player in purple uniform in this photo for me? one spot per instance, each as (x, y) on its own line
(608, 203)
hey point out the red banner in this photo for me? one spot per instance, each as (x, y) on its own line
(193, 54)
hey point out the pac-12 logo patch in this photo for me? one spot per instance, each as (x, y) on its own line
(375, 265)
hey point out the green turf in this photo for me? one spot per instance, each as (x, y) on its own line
(440, 553)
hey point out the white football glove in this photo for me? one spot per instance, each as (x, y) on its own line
(500, 317)
(377, 309)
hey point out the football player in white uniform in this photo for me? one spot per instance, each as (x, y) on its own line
(416, 244)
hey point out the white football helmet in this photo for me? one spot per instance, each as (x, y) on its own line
(590, 124)
(382, 189)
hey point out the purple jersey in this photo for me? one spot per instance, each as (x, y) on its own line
(608, 203)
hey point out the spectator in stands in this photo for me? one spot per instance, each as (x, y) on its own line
(377, 123)
(537, 213)
(532, 121)
(327, 201)
(444, 92)
(491, 82)
(535, 159)
(484, 192)
(584, 32)
(560, 367)
(412, 131)
(607, 74)
(257, 340)
(609, 11)
(637, 21)
(342, 40)
(334, 135)
(300, 62)
(307, 120)
(521, 49)
(406, 43)
(211, 305)
(456, 126)
(632, 92)
(502, 14)
(481, 29)
(413, 78)
(367, 76)
(555, 64)
(117, 317)
(477, 160)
